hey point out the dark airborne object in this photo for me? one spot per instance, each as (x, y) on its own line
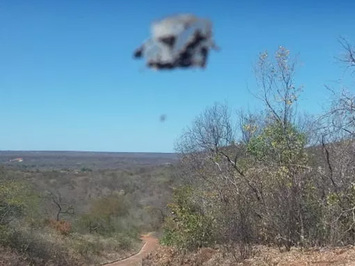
(181, 41)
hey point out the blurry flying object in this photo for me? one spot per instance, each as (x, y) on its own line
(180, 41)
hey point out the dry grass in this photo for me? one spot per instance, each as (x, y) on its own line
(8, 257)
(48, 247)
(263, 256)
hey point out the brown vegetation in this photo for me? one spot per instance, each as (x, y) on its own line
(247, 189)
(262, 256)
(80, 216)
(278, 179)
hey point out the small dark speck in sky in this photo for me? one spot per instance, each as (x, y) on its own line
(162, 118)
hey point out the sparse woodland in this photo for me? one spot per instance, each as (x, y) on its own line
(273, 177)
(80, 217)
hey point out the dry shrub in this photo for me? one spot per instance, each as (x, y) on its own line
(62, 227)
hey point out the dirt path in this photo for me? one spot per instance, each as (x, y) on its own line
(150, 244)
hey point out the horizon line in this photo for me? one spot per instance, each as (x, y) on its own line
(82, 151)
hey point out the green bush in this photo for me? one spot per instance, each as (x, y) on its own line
(125, 242)
(278, 143)
(104, 215)
(188, 227)
(87, 247)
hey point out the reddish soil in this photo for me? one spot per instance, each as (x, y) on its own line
(150, 244)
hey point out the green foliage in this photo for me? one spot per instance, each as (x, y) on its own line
(88, 248)
(188, 227)
(108, 216)
(279, 143)
(110, 206)
(12, 201)
(85, 169)
(17, 200)
(111, 210)
(125, 242)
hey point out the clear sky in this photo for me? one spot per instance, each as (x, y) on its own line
(68, 80)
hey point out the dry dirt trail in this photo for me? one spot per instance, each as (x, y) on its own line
(150, 244)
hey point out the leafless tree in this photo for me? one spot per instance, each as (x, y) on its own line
(251, 192)
(211, 139)
(349, 52)
(209, 132)
(250, 124)
(62, 207)
(335, 163)
(277, 89)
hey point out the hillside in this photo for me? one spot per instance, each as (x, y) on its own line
(80, 207)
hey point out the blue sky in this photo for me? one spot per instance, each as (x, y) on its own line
(68, 80)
